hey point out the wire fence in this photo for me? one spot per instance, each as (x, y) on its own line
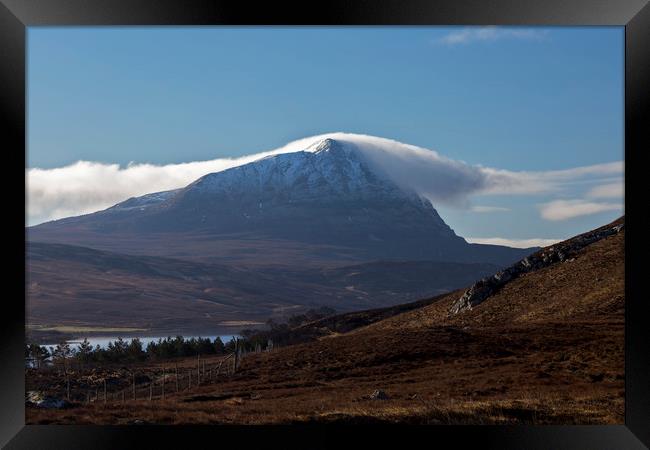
(151, 383)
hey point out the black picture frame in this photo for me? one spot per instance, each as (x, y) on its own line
(16, 15)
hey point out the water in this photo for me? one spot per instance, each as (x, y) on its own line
(103, 341)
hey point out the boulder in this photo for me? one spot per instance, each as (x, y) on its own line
(378, 394)
(38, 399)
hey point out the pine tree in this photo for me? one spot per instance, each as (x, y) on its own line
(135, 350)
(61, 353)
(84, 352)
(37, 354)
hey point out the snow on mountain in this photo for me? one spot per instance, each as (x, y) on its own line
(413, 168)
(328, 168)
(341, 164)
(144, 201)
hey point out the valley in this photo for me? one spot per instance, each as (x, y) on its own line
(71, 286)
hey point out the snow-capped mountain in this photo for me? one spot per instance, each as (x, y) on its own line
(327, 199)
(333, 169)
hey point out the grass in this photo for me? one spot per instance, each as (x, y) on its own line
(246, 409)
(547, 349)
(496, 412)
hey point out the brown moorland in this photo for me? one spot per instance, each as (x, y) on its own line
(548, 347)
(80, 289)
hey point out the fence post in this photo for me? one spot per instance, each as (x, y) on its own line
(189, 380)
(176, 370)
(67, 388)
(163, 384)
(231, 370)
(104, 390)
(237, 351)
(198, 370)
(123, 397)
(150, 390)
(133, 374)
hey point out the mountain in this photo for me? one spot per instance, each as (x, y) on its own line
(77, 286)
(325, 205)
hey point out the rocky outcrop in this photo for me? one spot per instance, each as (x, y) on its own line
(39, 400)
(378, 394)
(563, 251)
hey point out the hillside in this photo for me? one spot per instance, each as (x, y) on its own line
(546, 347)
(82, 287)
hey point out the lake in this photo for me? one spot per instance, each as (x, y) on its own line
(103, 341)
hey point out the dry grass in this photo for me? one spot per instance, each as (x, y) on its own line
(547, 349)
(251, 410)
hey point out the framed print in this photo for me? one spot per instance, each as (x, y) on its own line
(390, 220)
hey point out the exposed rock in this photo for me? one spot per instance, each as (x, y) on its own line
(378, 395)
(561, 252)
(38, 399)
(235, 401)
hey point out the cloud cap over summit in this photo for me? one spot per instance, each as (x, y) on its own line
(88, 186)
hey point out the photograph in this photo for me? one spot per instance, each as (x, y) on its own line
(290, 225)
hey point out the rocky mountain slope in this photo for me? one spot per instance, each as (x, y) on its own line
(561, 252)
(584, 273)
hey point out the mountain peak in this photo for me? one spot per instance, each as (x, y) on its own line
(328, 170)
(327, 144)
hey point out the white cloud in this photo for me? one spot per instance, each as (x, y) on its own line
(490, 33)
(488, 209)
(518, 243)
(612, 190)
(568, 209)
(509, 182)
(86, 186)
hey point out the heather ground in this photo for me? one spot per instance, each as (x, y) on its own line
(548, 348)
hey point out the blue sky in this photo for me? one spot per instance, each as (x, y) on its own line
(535, 99)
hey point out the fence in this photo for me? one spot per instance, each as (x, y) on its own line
(159, 383)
